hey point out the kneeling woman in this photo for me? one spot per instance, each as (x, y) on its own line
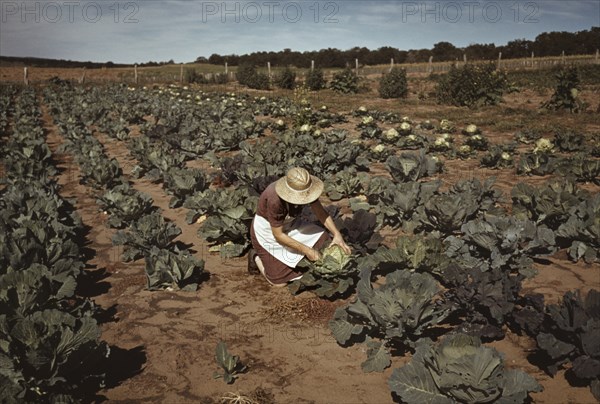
(279, 239)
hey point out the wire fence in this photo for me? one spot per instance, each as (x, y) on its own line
(212, 74)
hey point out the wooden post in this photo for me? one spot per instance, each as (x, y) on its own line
(181, 73)
(82, 78)
(356, 66)
(465, 58)
(26, 76)
(135, 75)
(563, 57)
(597, 56)
(532, 57)
(430, 68)
(269, 68)
(499, 59)
(225, 67)
(312, 65)
(391, 64)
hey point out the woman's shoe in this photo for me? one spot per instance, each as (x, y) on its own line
(252, 267)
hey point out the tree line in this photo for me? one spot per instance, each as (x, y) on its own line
(546, 44)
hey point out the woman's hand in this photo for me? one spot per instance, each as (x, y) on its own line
(313, 255)
(339, 240)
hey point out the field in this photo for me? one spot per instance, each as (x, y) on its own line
(162, 341)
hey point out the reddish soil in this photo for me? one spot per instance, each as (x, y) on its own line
(284, 340)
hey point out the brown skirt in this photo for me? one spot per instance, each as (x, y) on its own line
(276, 271)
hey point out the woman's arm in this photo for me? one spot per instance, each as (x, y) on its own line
(284, 239)
(329, 224)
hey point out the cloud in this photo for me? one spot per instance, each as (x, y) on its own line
(138, 31)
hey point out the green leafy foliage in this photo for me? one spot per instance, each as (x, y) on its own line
(149, 231)
(332, 275)
(231, 366)
(229, 215)
(498, 157)
(360, 231)
(345, 82)
(183, 182)
(567, 336)
(550, 204)
(460, 369)
(566, 92)
(397, 204)
(315, 80)
(582, 230)
(50, 355)
(286, 79)
(536, 164)
(393, 84)
(125, 205)
(247, 75)
(569, 141)
(397, 312)
(344, 185)
(173, 269)
(50, 348)
(412, 166)
(472, 86)
(447, 212)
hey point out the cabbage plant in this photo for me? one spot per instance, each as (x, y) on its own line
(412, 166)
(124, 204)
(149, 231)
(460, 369)
(173, 269)
(396, 314)
(332, 275)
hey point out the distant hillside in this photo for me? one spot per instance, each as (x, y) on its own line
(11, 61)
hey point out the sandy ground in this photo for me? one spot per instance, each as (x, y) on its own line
(167, 340)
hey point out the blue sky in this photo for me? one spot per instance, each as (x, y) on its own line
(145, 30)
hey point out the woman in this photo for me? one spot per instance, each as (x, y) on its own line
(279, 241)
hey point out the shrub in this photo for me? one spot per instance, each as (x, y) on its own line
(315, 80)
(472, 86)
(259, 81)
(192, 76)
(287, 79)
(244, 73)
(566, 92)
(219, 78)
(345, 82)
(393, 84)
(248, 76)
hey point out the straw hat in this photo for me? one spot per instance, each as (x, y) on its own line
(299, 187)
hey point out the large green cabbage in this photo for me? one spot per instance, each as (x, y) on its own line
(460, 369)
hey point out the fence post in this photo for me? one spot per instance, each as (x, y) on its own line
(356, 64)
(391, 64)
(312, 65)
(465, 58)
(181, 73)
(82, 78)
(562, 57)
(499, 60)
(269, 68)
(225, 68)
(25, 76)
(135, 75)
(597, 56)
(532, 61)
(430, 68)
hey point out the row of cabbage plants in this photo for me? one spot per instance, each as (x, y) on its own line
(50, 346)
(142, 229)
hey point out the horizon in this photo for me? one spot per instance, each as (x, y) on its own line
(128, 32)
